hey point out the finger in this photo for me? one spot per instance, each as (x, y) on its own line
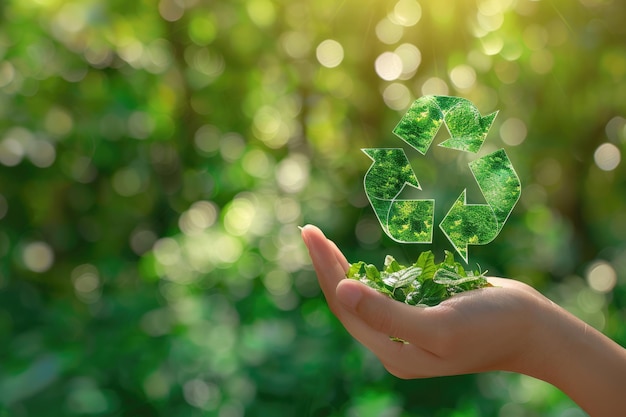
(331, 266)
(403, 360)
(328, 261)
(417, 325)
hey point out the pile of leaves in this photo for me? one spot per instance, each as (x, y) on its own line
(424, 283)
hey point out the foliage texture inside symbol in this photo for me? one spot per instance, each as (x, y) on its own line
(411, 221)
(427, 283)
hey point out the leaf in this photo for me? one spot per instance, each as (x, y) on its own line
(355, 269)
(371, 272)
(391, 265)
(402, 278)
(445, 277)
(426, 261)
(424, 283)
(449, 258)
(430, 294)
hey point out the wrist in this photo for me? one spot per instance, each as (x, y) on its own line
(579, 360)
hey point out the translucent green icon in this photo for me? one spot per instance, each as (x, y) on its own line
(411, 221)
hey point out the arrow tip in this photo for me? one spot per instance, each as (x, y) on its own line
(468, 129)
(469, 224)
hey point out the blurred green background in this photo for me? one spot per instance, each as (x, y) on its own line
(156, 158)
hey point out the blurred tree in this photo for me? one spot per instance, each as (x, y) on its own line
(156, 158)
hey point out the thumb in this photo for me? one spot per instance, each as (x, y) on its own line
(384, 314)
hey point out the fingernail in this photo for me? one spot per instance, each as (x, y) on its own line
(304, 237)
(349, 295)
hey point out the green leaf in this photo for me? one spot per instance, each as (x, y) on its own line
(449, 258)
(391, 265)
(355, 269)
(402, 278)
(371, 272)
(425, 283)
(446, 277)
(430, 294)
(426, 261)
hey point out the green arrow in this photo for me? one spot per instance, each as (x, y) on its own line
(420, 124)
(405, 221)
(478, 224)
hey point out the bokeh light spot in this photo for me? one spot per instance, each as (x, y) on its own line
(72, 17)
(411, 58)
(228, 250)
(287, 210)
(202, 29)
(278, 282)
(11, 152)
(87, 283)
(512, 50)
(38, 256)
(388, 32)
(239, 215)
(201, 394)
(156, 385)
(157, 58)
(86, 398)
(535, 37)
(261, 12)
(541, 61)
(479, 60)
(41, 153)
(463, 77)
(397, 96)
(270, 128)
(513, 131)
(127, 182)
(171, 10)
(607, 157)
(492, 44)
(493, 7)
(140, 125)
(601, 277)
(207, 139)
(329, 53)
(141, 240)
(232, 146)
(296, 44)
(490, 23)
(435, 86)
(388, 66)
(257, 163)
(616, 129)
(406, 13)
(292, 173)
(156, 322)
(7, 73)
(167, 251)
(200, 216)
(58, 121)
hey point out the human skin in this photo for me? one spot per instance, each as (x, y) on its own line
(508, 327)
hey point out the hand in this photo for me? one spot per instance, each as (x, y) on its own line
(454, 337)
(506, 327)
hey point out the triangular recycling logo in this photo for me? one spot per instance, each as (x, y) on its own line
(412, 221)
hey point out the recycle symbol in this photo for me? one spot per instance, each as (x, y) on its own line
(411, 221)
